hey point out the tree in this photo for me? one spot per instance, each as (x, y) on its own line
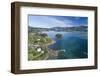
(43, 35)
(58, 36)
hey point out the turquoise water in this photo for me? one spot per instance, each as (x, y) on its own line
(72, 45)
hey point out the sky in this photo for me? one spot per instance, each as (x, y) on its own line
(40, 21)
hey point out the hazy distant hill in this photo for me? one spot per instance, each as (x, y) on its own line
(78, 28)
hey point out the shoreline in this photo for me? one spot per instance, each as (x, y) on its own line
(52, 42)
(52, 54)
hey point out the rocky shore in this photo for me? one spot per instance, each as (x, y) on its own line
(53, 54)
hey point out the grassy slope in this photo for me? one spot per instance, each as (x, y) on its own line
(43, 40)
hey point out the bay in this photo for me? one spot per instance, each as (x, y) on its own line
(72, 45)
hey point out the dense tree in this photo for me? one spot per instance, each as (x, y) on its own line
(58, 36)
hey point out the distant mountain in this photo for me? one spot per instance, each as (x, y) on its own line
(35, 29)
(77, 28)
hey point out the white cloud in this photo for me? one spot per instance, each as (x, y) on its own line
(47, 22)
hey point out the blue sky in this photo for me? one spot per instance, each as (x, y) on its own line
(56, 21)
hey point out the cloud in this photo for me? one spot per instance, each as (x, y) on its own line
(68, 21)
(55, 22)
(49, 21)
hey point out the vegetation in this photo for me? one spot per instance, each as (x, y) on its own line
(58, 36)
(37, 46)
(35, 55)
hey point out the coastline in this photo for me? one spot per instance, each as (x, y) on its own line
(52, 42)
(53, 54)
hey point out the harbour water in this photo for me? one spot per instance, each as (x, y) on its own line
(72, 45)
